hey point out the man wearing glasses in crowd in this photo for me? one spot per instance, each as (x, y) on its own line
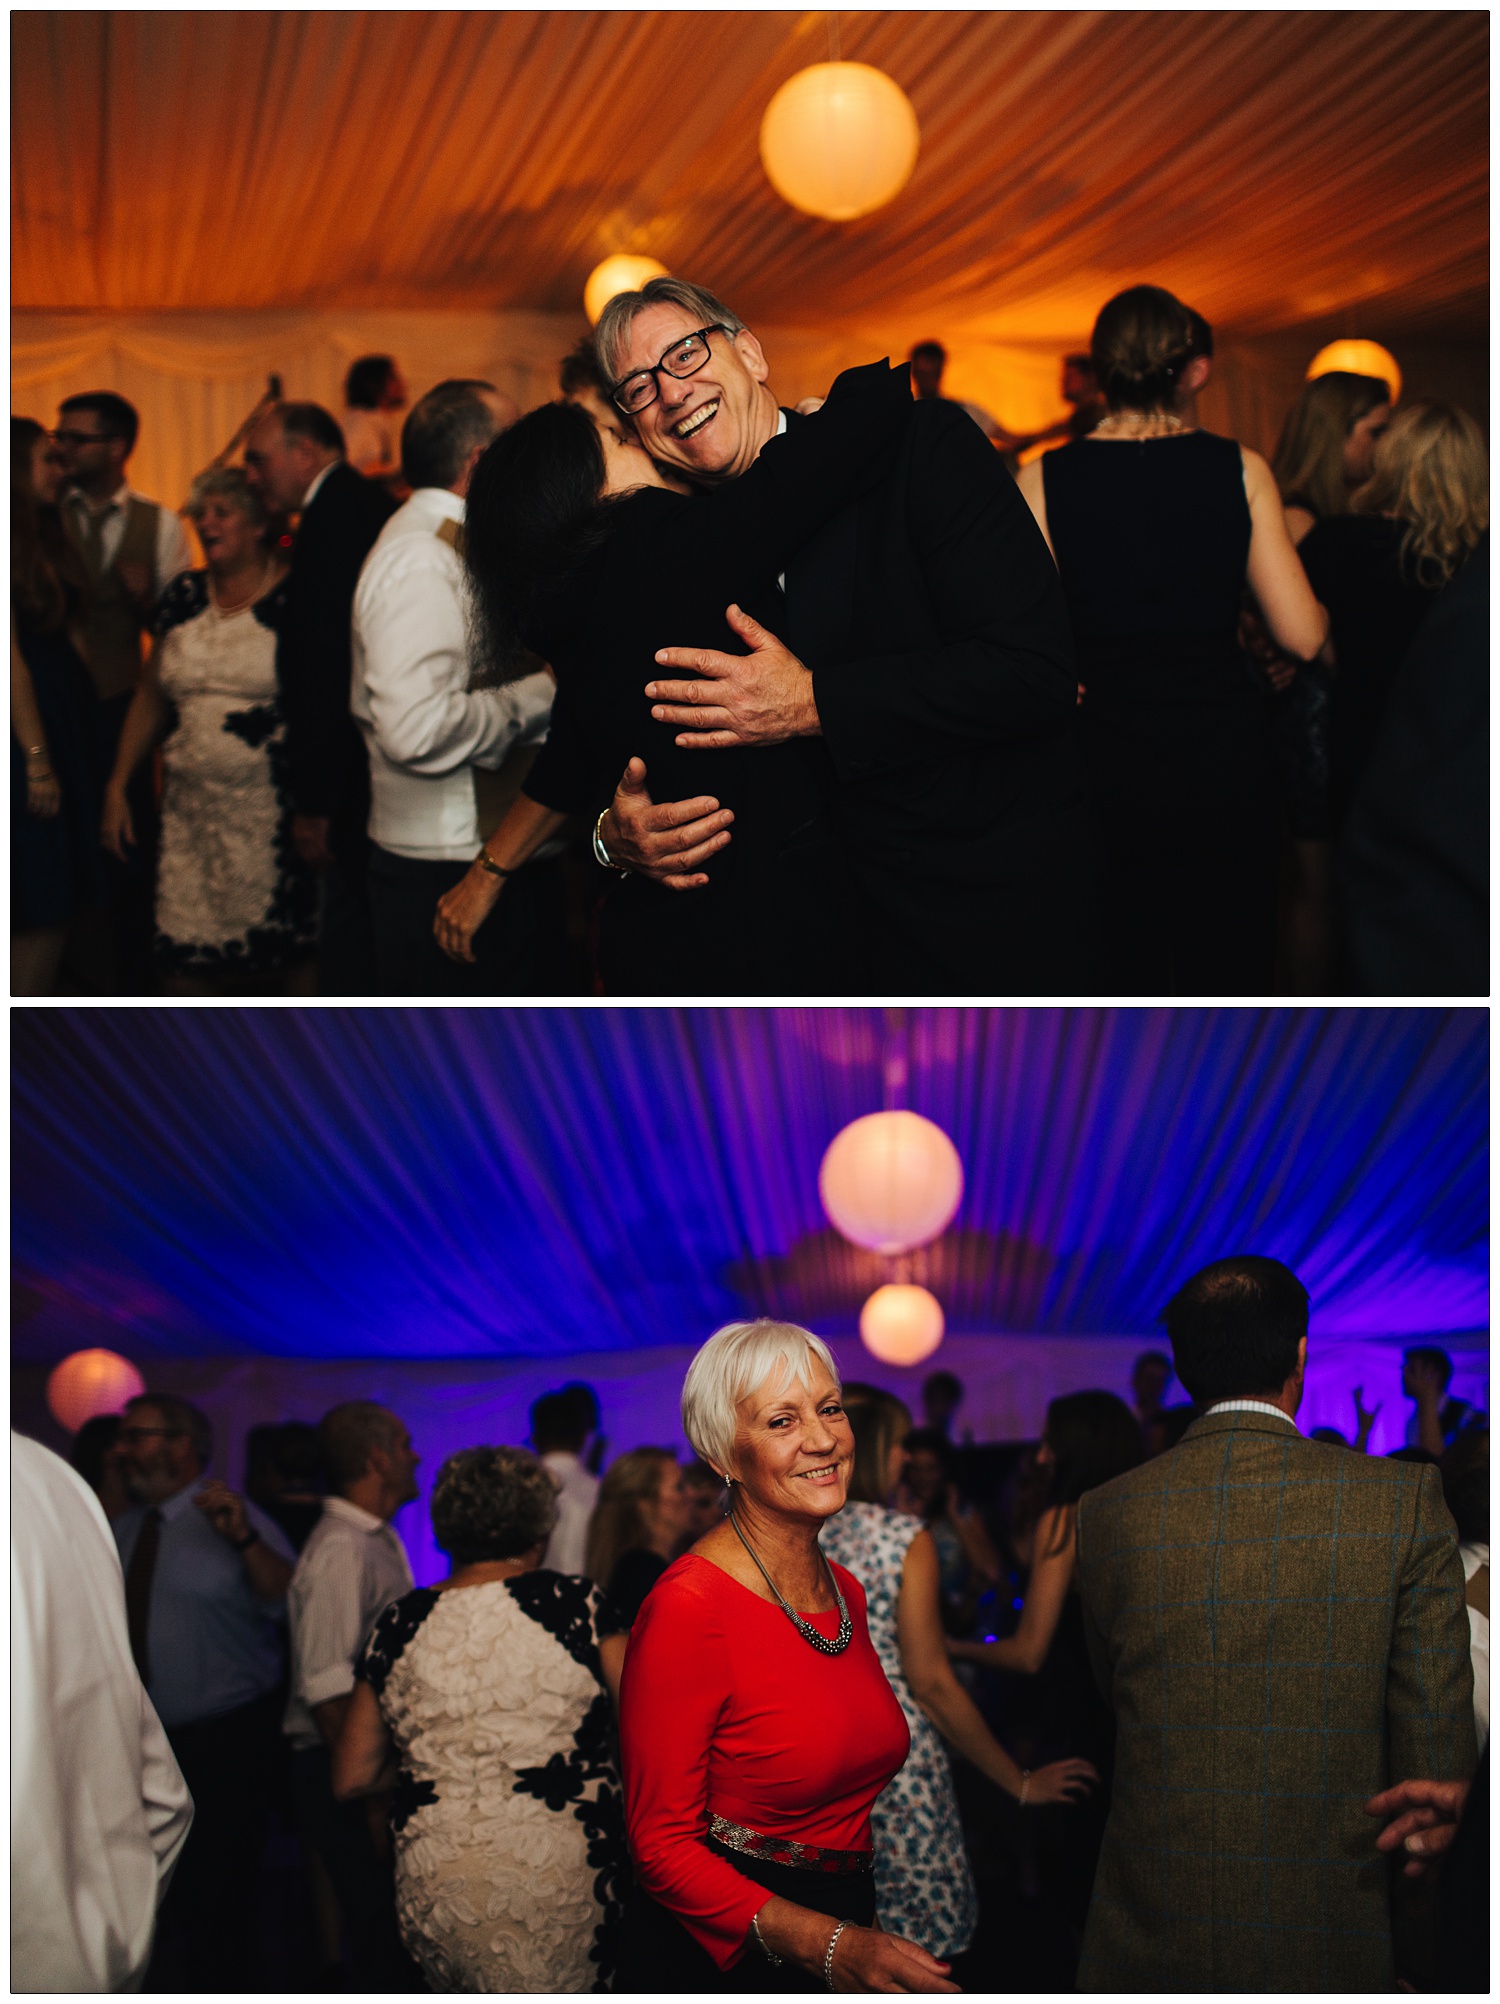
(926, 641)
(129, 549)
(206, 1575)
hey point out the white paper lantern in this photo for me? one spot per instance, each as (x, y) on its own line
(839, 140)
(901, 1324)
(620, 273)
(891, 1181)
(1358, 358)
(91, 1382)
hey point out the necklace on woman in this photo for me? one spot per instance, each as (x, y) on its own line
(228, 611)
(1140, 424)
(805, 1629)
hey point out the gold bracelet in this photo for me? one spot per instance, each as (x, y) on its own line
(487, 862)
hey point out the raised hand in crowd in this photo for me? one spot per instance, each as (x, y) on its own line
(270, 1574)
(1364, 1419)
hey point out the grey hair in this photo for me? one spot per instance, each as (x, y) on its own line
(492, 1503)
(734, 1362)
(226, 483)
(346, 1435)
(612, 335)
(443, 428)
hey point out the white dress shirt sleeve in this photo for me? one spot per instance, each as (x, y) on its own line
(409, 618)
(328, 1621)
(173, 552)
(164, 1796)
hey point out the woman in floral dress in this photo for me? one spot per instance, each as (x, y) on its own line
(485, 1705)
(924, 1888)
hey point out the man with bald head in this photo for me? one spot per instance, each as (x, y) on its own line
(926, 642)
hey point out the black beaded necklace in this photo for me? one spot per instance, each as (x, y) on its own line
(805, 1629)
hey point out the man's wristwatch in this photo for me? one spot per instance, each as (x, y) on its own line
(601, 855)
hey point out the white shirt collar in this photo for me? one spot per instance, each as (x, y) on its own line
(780, 423)
(116, 500)
(1252, 1406)
(317, 482)
(340, 1506)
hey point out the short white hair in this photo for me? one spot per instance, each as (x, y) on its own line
(734, 1362)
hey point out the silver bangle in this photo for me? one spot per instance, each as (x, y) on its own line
(760, 1942)
(601, 855)
(833, 1942)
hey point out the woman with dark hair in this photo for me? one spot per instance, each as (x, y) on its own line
(967, 1560)
(1157, 527)
(640, 1515)
(485, 1704)
(1089, 1438)
(55, 867)
(1327, 446)
(582, 551)
(923, 1886)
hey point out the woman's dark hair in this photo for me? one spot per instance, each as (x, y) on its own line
(93, 1441)
(491, 1503)
(877, 1423)
(35, 588)
(1143, 340)
(365, 383)
(534, 511)
(1466, 1483)
(1235, 1328)
(932, 1440)
(1094, 1437)
(1309, 458)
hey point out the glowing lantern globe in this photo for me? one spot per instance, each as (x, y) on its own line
(1357, 358)
(891, 1181)
(901, 1324)
(617, 274)
(839, 140)
(91, 1382)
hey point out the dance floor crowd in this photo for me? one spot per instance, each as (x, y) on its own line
(1174, 1698)
(661, 689)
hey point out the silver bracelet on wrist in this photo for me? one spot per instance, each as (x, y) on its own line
(833, 1942)
(601, 855)
(761, 1943)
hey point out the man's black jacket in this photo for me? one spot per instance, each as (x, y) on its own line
(328, 770)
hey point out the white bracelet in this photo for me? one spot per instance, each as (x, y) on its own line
(601, 855)
(833, 1941)
(762, 1944)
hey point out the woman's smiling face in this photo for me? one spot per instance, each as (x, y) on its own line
(793, 1447)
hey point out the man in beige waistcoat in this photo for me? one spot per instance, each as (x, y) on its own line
(130, 548)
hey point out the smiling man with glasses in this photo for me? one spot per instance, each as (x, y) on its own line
(925, 640)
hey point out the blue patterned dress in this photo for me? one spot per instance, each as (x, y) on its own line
(924, 1889)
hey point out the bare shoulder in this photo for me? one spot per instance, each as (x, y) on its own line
(1259, 479)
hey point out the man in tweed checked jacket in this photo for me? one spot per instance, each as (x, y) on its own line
(1279, 1625)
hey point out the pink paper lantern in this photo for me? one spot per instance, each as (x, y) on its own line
(91, 1382)
(901, 1324)
(891, 1182)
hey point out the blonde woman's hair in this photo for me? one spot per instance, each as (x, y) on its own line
(1433, 474)
(226, 483)
(1309, 458)
(618, 1524)
(734, 1362)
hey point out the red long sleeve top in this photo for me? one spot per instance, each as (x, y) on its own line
(725, 1710)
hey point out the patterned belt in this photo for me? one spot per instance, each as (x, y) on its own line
(784, 1851)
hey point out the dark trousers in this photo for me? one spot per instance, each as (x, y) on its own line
(208, 1936)
(109, 952)
(340, 1834)
(519, 950)
(346, 942)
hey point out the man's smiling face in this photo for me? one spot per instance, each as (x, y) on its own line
(711, 424)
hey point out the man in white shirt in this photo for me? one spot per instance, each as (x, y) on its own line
(445, 759)
(561, 1423)
(352, 1567)
(98, 1806)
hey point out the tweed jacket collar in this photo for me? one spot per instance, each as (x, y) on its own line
(1250, 1422)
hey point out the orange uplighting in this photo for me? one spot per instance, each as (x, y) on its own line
(1357, 358)
(91, 1382)
(839, 140)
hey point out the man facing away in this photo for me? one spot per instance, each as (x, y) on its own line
(1279, 1626)
(926, 642)
(205, 1581)
(561, 1423)
(446, 760)
(295, 457)
(98, 1807)
(352, 1567)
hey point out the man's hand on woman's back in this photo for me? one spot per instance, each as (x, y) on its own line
(668, 843)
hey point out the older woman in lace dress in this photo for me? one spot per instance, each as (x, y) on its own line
(485, 1704)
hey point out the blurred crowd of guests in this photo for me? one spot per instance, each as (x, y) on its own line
(260, 774)
(248, 1615)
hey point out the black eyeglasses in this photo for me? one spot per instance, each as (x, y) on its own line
(684, 358)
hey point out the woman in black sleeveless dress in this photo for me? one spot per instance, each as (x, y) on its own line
(1156, 527)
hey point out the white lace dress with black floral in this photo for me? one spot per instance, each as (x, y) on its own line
(511, 1858)
(231, 892)
(923, 1886)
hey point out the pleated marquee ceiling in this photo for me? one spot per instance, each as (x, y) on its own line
(497, 1183)
(1273, 167)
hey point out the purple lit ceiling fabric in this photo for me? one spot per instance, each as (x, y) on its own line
(503, 1183)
